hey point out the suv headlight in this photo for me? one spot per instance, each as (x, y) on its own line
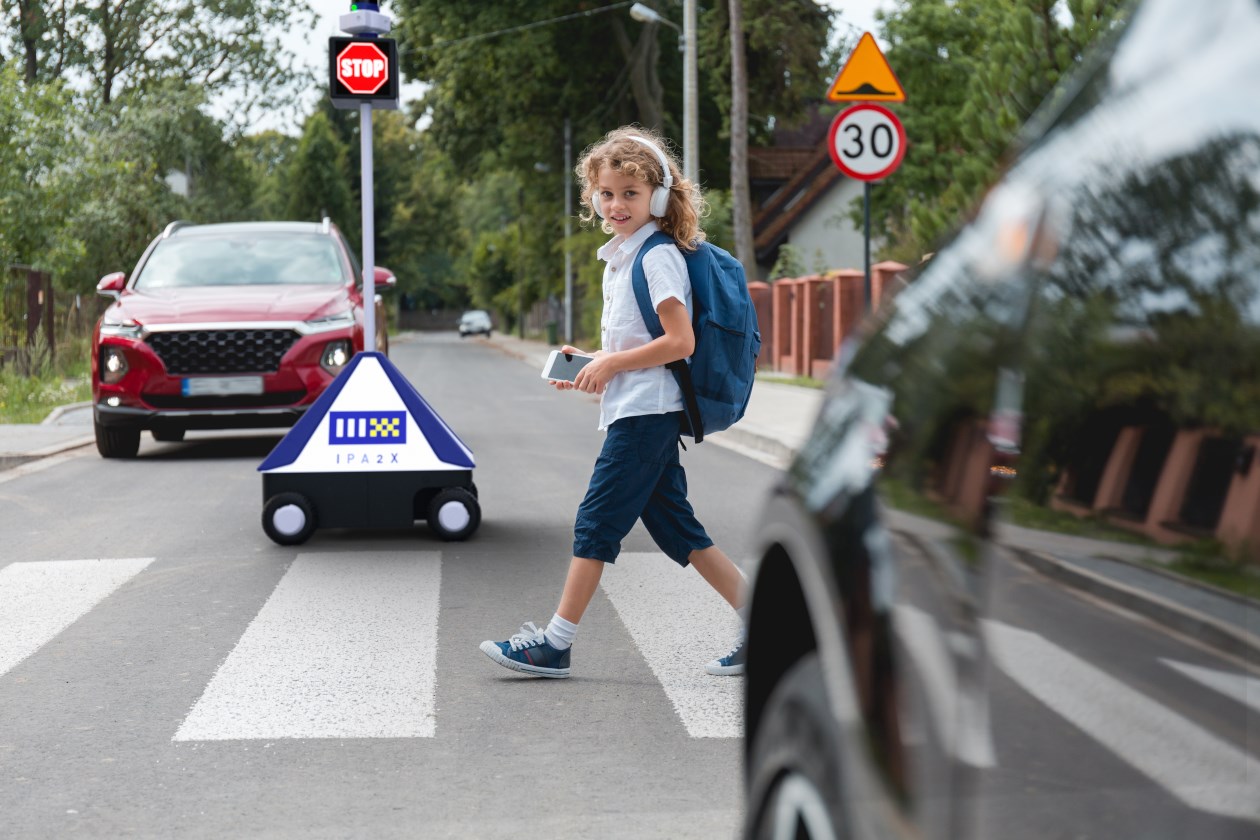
(339, 321)
(336, 355)
(113, 365)
(123, 328)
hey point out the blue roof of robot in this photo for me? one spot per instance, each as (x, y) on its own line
(369, 419)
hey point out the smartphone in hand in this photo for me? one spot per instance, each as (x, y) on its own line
(564, 367)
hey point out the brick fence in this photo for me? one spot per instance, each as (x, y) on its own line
(804, 320)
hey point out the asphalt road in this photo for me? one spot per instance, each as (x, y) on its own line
(170, 704)
(167, 671)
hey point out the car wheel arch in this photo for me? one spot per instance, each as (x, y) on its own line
(794, 609)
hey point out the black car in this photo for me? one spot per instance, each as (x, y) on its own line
(1070, 387)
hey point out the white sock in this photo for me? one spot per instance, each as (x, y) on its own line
(559, 633)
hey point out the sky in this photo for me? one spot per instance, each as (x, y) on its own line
(311, 46)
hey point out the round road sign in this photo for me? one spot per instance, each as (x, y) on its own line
(362, 67)
(867, 142)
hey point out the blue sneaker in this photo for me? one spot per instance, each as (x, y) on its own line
(529, 652)
(731, 665)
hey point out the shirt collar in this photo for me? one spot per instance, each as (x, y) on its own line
(627, 244)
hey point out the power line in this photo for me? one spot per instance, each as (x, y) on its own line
(588, 13)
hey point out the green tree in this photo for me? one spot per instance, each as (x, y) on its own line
(38, 149)
(116, 46)
(423, 245)
(266, 156)
(975, 71)
(318, 184)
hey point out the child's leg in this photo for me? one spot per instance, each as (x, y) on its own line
(579, 588)
(722, 574)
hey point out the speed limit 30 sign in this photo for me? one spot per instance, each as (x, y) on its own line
(867, 142)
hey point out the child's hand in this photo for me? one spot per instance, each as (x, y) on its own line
(594, 378)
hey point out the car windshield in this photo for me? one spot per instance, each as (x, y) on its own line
(253, 260)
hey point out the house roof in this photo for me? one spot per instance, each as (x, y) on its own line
(811, 181)
(777, 163)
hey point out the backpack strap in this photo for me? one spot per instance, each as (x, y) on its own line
(680, 368)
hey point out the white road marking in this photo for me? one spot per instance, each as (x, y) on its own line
(345, 647)
(679, 623)
(1238, 687)
(1193, 764)
(40, 599)
(963, 727)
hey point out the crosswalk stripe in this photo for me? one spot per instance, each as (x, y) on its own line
(963, 727)
(1240, 687)
(678, 623)
(345, 647)
(40, 599)
(1200, 769)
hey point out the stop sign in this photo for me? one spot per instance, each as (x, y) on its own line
(362, 67)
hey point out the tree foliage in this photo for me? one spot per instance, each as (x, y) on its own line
(113, 47)
(975, 71)
(317, 177)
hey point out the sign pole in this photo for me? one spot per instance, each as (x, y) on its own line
(867, 141)
(866, 212)
(369, 232)
(363, 74)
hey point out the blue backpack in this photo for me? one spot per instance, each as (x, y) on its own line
(717, 380)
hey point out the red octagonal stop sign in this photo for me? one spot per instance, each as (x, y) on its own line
(362, 67)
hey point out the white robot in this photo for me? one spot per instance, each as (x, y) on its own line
(369, 453)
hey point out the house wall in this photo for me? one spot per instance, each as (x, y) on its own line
(826, 230)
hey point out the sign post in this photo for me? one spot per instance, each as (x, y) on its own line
(867, 142)
(363, 74)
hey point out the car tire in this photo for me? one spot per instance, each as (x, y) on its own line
(454, 514)
(289, 518)
(168, 435)
(117, 442)
(795, 778)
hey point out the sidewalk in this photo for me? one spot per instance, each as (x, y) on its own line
(65, 428)
(776, 425)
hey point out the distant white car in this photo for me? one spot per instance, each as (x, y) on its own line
(474, 322)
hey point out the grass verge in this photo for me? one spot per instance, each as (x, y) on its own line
(28, 396)
(800, 381)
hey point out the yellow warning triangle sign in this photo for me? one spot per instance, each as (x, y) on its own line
(866, 77)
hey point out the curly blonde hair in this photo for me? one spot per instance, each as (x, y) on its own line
(621, 153)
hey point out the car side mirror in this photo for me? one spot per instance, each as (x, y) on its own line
(384, 278)
(111, 285)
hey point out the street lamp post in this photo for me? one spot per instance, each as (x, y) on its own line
(687, 46)
(568, 219)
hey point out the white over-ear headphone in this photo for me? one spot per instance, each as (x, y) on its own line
(659, 202)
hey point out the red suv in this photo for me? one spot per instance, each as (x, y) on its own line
(223, 326)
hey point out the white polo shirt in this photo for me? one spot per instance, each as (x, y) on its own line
(647, 390)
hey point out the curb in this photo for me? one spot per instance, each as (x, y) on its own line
(1208, 630)
(8, 462)
(56, 413)
(738, 439)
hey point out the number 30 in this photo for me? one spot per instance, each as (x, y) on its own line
(855, 134)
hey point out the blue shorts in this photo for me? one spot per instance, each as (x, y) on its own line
(638, 476)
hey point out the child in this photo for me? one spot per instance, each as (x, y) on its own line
(629, 181)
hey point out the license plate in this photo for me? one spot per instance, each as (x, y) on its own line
(221, 386)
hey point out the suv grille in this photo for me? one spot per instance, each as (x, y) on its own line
(222, 351)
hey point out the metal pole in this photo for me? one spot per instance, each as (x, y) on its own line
(568, 220)
(866, 212)
(691, 138)
(369, 234)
